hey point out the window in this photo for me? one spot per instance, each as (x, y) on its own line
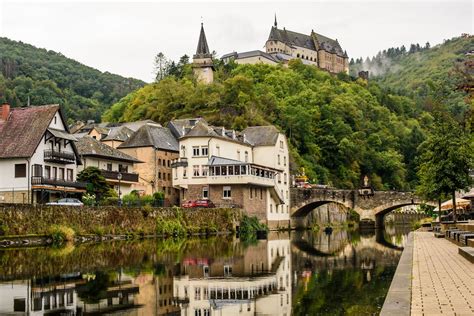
(205, 192)
(205, 270)
(246, 156)
(20, 170)
(55, 120)
(218, 149)
(205, 170)
(55, 173)
(226, 192)
(278, 159)
(271, 208)
(159, 161)
(37, 170)
(169, 163)
(251, 192)
(284, 178)
(204, 150)
(284, 160)
(183, 151)
(261, 194)
(184, 172)
(279, 178)
(227, 271)
(169, 176)
(47, 172)
(238, 154)
(109, 167)
(61, 173)
(206, 311)
(197, 312)
(195, 150)
(197, 293)
(281, 144)
(196, 171)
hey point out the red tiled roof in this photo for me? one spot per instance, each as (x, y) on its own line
(22, 132)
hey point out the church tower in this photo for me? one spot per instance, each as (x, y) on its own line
(203, 67)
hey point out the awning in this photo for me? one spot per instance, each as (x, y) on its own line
(460, 203)
(62, 134)
(219, 161)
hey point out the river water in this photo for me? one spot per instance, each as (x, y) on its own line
(302, 273)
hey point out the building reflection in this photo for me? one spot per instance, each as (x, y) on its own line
(257, 281)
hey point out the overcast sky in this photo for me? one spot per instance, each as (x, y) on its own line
(123, 36)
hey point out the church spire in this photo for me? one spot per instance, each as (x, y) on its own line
(275, 24)
(202, 50)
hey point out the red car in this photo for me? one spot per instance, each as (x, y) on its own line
(204, 203)
(189, 204)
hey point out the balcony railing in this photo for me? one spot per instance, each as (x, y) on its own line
(180, 162)
(126, 176)
(57, 182)
(63, 157)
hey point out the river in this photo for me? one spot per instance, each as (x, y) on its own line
(302, 273)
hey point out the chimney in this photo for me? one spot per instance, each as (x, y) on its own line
(5, 112)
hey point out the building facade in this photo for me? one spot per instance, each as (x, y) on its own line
(156, 147)
(111, 162)
(38, 156)
(248, 169)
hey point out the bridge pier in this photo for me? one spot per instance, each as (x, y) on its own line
(379, 221)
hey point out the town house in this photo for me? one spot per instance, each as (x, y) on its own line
(247, 170)
(156, 147)
(38, 156)
(112, 163)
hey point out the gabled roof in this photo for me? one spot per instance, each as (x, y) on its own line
(181, 126)
(87, 146)
(253, 53)
(314, 41)
(152, 136)
(120, 133)
(22, 132)
(261, 135)
(202, 50)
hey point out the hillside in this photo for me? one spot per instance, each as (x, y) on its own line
(339, 129)
(424, 74)
(49, 77)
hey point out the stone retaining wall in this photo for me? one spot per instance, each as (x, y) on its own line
(27, 219)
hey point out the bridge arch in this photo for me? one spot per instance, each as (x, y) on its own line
(304, 210)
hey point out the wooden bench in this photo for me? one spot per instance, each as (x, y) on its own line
(467, 252)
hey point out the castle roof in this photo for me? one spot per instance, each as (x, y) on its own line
(202, 50)
(314, 41)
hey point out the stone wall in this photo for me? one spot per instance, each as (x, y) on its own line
(22, 196)
(27, 219)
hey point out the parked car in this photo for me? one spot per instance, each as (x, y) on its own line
(204, 203)
(67, 202)
(189, 204)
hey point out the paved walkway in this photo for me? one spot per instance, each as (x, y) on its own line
(443, 281)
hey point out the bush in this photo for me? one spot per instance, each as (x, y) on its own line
(61, 233)
(88, 199)
(170, 227)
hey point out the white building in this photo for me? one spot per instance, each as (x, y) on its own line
(248, 169)
(38, 157)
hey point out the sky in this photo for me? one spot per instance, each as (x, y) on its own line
(123, 37)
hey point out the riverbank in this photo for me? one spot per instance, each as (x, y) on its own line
(28, 225)
(431, 278)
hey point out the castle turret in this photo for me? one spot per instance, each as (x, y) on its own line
(203, 67)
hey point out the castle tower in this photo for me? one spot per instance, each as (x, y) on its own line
(203, 67)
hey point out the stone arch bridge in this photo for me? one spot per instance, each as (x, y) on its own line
(370, 206)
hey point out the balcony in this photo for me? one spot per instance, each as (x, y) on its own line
(62, 157)
(57, 182)
(112, 175)
(180, 162)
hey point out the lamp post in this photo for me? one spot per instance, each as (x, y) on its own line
(119, 178)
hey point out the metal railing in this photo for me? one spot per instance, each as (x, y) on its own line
(57, 182)
(59, 156)
(126, 176)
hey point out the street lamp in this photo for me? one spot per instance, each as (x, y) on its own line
(119, 178)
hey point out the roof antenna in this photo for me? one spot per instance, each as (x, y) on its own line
(275, 20)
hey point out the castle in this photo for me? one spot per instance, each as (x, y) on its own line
(281, 46)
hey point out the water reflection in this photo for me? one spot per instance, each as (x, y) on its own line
(305, 273)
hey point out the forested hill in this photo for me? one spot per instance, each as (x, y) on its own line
(49, 77)
(339, 128)
(425, 73)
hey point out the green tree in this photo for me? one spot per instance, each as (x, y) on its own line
(96, 183)
(446, 159)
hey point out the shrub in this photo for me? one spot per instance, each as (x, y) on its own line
(170, 227)
(61, 233)
(88, 199)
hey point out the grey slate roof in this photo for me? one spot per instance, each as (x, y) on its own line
(253, 53)
(87, 146)
(219, 161)
(181, 126)
(152, 136)
(261, 135)
(121, 133)
(314, 41)
(202, 50)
